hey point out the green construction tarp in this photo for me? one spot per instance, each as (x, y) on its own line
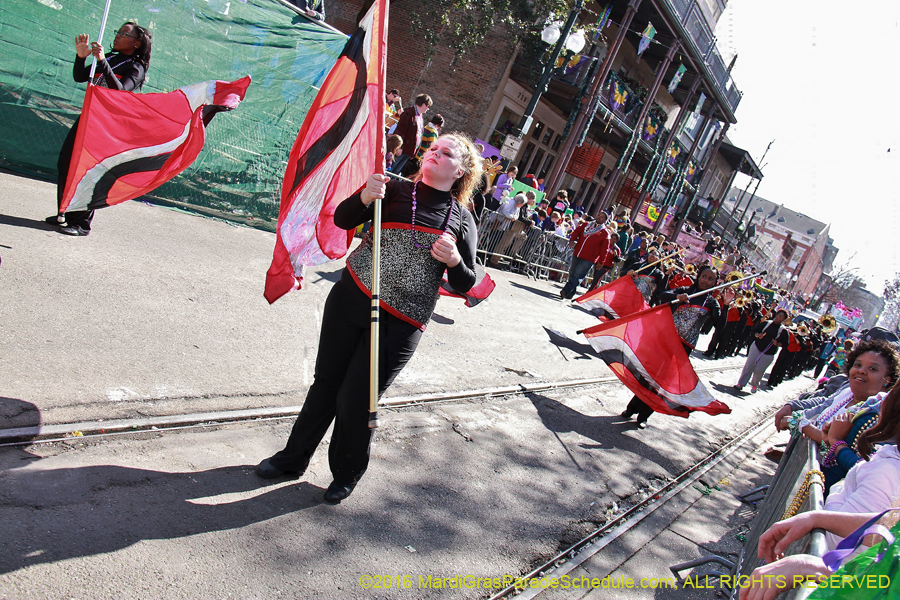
(240, 169)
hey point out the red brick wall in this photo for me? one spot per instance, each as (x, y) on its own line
(462, 92)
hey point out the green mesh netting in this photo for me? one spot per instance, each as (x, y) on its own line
(240, 169)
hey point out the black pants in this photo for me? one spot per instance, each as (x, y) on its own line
(77, 218)
(779, 370)
(340, 391)
(726, 341)
(820, 364)
(640, 408)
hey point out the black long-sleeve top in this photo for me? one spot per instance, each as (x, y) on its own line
(771, 333)
(116, 71)
(707, 300)
(408, 272)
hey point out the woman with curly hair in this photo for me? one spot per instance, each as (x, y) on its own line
(837, 423)
(125, 69)
(427, 230)
(850, 433)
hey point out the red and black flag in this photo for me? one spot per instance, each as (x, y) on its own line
(340, 144)
(616, 299)
(483, 287)
(646, 354)
(129, 144)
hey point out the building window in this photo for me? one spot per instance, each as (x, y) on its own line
(538, 128)
(548, 135)
(545, 168)
(507, 122)
(529, 150)
(533, 167)
(556, 143)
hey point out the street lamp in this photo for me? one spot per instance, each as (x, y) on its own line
(552, 34)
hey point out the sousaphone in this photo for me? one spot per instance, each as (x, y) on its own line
(828, 323)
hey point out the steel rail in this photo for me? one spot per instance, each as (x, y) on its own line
(576, 554)
(66, 431)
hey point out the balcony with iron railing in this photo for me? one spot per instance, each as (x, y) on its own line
(692, 19)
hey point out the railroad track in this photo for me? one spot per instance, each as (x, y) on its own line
(117, 427)
(581, 551)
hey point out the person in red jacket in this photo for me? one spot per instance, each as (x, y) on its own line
(591, 243)
(409, 127)
(606, 265)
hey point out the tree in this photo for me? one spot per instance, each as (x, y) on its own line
(890, 316)
(463, 24)
(837, 285)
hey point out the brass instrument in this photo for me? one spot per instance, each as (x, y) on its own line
(828, 323)
(733, 276)
(492, 167)
(741, 302)
(803, 329)
(690, 269)
(748, 294)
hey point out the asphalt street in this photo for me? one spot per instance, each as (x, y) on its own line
(160, 312)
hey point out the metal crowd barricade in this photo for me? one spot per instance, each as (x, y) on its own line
(797, 465)
(527, 250)
(553, 255)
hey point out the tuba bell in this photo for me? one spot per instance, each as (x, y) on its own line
(828, 323)
(733, 276)
(690, 269)
(803, 329)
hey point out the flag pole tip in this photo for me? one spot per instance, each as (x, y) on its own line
(373, 420)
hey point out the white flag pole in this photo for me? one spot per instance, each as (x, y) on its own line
(100, 39)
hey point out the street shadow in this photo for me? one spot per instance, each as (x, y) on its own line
(605, 431)
(698, 354)
(59, 514)
(19, 414)
(27, 223)
(332, 276)
(728, 389)
(561, 340)
(536, 291)
(441, 319)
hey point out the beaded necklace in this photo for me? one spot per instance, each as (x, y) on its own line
(802, 492)
(835, 407)
(413, 231)
(101, 78)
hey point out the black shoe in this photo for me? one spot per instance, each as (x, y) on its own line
(54, 220)
(337, 492)
(74, 230)
(626, 415)
(267, 470)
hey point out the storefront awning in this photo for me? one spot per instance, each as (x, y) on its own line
(740, 160)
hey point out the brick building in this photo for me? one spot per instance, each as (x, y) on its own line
(462, 90)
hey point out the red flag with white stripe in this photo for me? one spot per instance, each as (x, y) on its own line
(340, 144)
(646, 354)
(617, 298)
(129, 144)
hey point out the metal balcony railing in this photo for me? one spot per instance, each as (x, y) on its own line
(693, 21)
